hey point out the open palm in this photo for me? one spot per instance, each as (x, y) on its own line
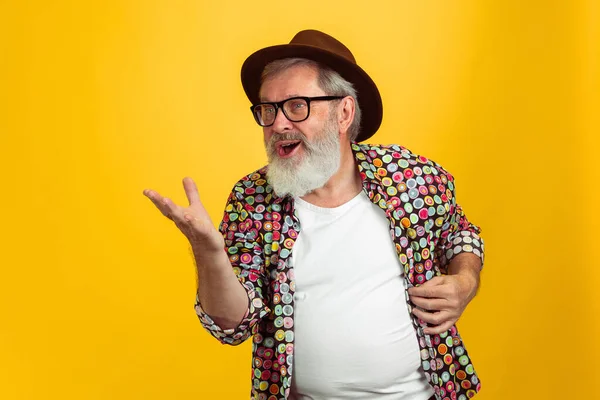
(193, 221)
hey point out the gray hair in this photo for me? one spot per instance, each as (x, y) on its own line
(329, 81)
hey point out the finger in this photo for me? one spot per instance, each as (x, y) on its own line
(172, 210)
(157, 200)
(153, 195)
(432, 318)
(164, 205)
(427, 292)
(149, 193)
(191, 190)
(428, 303)
(425, 287)
(436, 330)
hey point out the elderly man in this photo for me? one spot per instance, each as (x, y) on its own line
(348, 263)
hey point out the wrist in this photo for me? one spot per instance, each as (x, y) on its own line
(204, 252)
(211, 243)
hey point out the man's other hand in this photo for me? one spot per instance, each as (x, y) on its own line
(441, 301)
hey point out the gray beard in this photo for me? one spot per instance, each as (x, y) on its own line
(320, 161)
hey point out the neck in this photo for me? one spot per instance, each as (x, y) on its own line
(342, 187)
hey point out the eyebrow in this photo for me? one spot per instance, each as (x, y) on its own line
(289, 96)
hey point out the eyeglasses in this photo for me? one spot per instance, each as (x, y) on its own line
(296, 109)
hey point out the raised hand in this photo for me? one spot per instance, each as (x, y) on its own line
(193, 221)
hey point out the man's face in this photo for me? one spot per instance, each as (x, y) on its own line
(302, 155)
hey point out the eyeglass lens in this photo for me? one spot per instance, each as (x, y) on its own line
(294, 109)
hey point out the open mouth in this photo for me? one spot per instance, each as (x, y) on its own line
(287, 148)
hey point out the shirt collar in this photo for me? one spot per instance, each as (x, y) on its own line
(371, 173)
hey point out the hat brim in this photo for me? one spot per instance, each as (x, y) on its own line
(369, 98)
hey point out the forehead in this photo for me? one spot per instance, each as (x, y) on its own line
(300, 80)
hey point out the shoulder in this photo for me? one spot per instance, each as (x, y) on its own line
(395, 157)
(251, 202)
(253, 190)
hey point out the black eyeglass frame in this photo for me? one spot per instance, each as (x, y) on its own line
(279, 105)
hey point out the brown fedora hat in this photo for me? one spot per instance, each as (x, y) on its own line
(320, 47)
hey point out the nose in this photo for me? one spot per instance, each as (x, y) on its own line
(281, 123)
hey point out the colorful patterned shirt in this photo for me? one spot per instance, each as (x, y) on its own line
(427, 226)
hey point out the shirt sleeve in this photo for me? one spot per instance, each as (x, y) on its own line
(243, 245)
(458, 234)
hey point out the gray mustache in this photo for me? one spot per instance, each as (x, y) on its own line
(287, 136)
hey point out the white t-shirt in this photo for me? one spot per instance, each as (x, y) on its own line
(353, 335)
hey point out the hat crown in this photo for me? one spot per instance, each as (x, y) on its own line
(311, 37)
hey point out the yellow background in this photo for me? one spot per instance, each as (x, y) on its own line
(101, 99)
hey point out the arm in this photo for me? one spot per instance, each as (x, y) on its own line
(235, 320)
(459, 253)
(232, 305)
(219, 290)
(458, 236)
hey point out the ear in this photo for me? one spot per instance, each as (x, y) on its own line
(345, 114)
